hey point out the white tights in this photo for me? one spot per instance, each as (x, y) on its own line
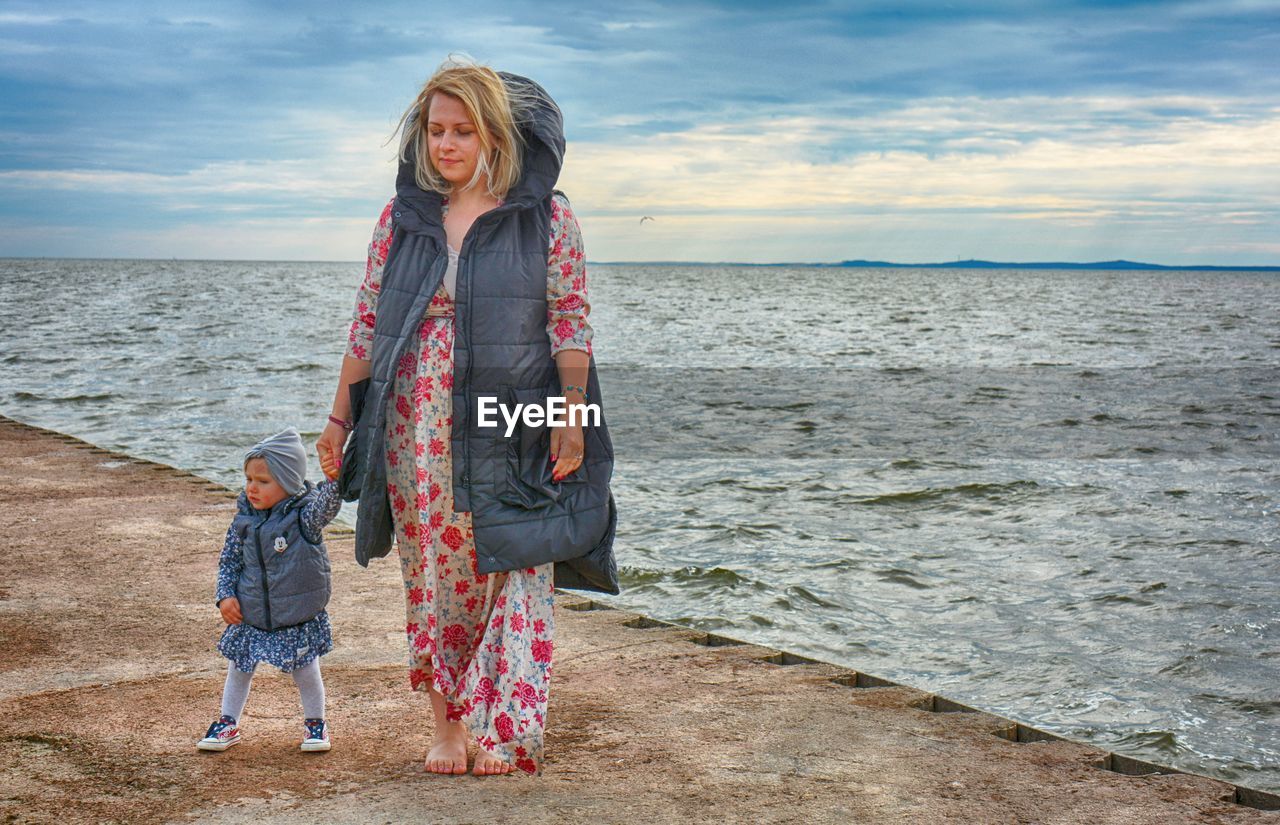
(310, 688)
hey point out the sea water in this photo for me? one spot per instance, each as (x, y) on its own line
(1049, 494)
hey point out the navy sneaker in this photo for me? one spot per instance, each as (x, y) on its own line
(221, 735)
(317, 738)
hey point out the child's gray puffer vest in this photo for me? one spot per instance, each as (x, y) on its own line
(285, 578)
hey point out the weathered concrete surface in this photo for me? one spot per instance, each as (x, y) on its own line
(108, 675)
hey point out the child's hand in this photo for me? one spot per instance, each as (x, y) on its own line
(230, 607)
(329, 448)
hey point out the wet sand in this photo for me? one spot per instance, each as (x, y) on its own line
(108, 675)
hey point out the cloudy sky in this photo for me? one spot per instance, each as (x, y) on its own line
(751, 131)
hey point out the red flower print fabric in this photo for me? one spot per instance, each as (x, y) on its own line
(567, 307)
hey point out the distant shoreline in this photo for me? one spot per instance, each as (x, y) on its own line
(969, 264)
(1113, 266)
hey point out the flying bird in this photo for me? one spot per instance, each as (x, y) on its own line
(645, 218)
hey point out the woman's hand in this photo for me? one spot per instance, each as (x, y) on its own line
(566, 450)
(330, 446)
(230, 607)
(334, 438)
(566, 442)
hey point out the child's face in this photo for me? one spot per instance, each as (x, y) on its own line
(259, 487)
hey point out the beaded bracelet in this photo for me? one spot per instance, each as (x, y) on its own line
(582, 390)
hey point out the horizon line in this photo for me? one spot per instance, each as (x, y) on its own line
(968, 263)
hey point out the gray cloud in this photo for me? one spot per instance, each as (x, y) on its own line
(177, 89)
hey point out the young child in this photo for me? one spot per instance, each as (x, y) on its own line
(273, 586)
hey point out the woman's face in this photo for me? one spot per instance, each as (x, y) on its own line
(453, 141)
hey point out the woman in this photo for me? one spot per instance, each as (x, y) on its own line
(476, 287)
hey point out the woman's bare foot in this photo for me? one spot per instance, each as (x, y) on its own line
(448, 752)
(489, 765)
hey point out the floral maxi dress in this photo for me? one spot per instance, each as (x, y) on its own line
(483, 641)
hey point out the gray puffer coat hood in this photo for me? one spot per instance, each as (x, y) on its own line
(521, 518)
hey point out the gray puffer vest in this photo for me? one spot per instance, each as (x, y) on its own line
(521, 518)
(285, 578)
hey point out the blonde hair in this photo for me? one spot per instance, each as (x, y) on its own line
(491, 109)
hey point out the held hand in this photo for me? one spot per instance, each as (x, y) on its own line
(329, 447)
(566, 450)
(230, 607)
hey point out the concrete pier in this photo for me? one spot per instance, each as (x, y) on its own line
(108, 675)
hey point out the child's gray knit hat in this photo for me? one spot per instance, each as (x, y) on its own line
(286, 459)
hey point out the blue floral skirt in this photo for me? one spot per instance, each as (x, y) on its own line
(288, 649)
